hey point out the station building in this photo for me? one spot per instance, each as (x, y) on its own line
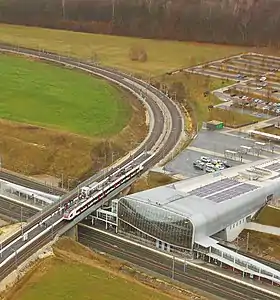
(196, 216)
(188, 212)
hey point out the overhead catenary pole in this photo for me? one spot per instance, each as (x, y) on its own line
(21, 221)
(247, 241)
(62, 179)
(173, 267)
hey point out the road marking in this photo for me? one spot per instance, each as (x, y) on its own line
(213, 153)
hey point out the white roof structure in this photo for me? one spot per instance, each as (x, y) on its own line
(196, 213)
(212, 202)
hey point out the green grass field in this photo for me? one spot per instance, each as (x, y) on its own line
(45, 95)
(113, 50)
(82, 282)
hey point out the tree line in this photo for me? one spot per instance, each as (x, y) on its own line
(242, 22)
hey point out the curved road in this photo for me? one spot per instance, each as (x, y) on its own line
(166, 131)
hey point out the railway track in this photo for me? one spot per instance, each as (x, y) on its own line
(29, 183)
(208, 282)
(16, 211)
(165, 132)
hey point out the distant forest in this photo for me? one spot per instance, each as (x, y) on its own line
(243, 22)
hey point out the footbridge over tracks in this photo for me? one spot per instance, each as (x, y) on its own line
(165, 130)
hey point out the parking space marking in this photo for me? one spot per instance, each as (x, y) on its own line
(212, 153)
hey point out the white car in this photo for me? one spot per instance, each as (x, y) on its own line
(205, 159)
(209, 170)
(209, 165)
(220, 167)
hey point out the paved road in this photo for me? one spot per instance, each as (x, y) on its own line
(213, 144)
(215, 285)
(160, 106)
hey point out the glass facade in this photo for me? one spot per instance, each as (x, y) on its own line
(154, 222)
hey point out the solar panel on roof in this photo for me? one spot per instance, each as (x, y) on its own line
(232, 192)
(214, 187)
(273, 167)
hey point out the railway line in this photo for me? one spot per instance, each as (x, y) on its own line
(26, 182)
(16, 211)
(165, 131)
(149, 260)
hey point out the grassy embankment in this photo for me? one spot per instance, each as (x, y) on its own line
(75, 272)
(271, 130)
(196, 86)
(55, 120)
(261, 244)
(269, 216)
(152, 180)
(113, 51)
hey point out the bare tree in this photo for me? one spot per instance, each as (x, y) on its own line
(137, 53)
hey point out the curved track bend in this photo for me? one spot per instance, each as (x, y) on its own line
(166, 127)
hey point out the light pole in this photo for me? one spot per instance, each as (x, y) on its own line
(21, 221)
(62, 179)
(173, 267)
(16, 259)
(68, 183)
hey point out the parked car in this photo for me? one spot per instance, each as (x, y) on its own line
(209, 170)
(205, 159)
(226, 164)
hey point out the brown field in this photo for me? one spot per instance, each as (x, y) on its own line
(34, 150)
(261, 244)
(75, 271)
(152, 180)
(271, 130)
(113, 51)
(195, 86)
(231, 118)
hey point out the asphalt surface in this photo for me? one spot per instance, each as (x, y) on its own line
(149, 260)
(51, 219)
(15, 211)
(212, 142)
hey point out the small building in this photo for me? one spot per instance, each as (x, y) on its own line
(214, 125)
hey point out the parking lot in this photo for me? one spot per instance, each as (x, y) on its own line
(256, 91)
(257, 87)
(214, 145)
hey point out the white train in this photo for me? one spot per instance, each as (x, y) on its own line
(102, 189)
